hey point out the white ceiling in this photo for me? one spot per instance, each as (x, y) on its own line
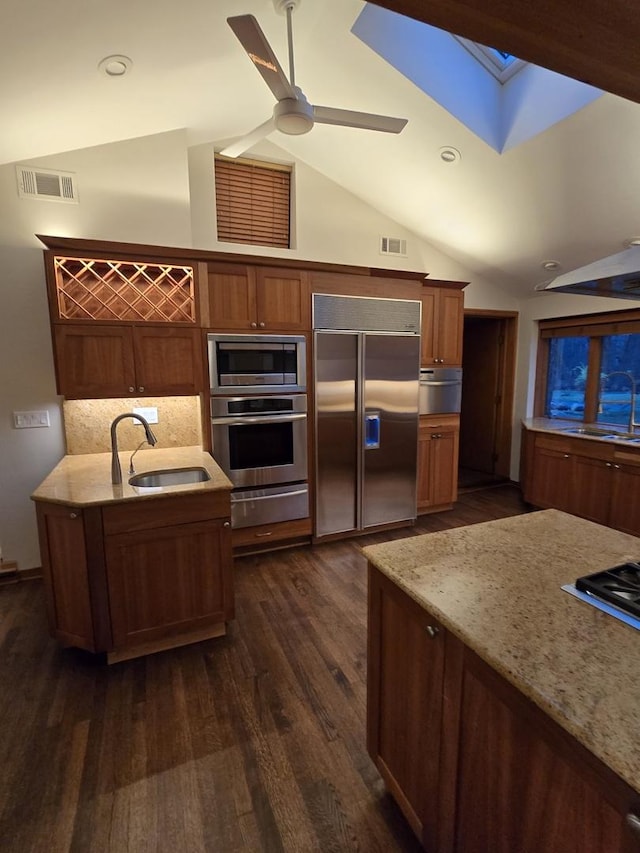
(570, 194)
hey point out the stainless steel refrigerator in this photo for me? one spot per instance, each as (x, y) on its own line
(366, 411)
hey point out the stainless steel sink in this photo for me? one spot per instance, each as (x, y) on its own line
(593, 431)
(169, 477)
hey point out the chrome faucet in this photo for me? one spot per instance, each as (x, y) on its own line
(116, 471)
(632, 392)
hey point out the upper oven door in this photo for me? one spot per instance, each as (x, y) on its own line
(246, 363)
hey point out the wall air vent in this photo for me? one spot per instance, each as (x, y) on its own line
(46, 183)
(393, 246)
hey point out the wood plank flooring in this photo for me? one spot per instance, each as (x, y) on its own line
(251, 742)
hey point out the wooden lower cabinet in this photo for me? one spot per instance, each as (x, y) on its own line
(438, 440)
(474, 765)
(596, 480)
(405, 704)
(131, 578)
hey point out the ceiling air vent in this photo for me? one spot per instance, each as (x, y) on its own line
(393, 246)
(46, 183)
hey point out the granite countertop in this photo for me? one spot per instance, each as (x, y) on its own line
(560, 426)
(496, 586)
(85, 479)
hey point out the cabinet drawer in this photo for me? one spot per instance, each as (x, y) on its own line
(157, 512)
(263, 535)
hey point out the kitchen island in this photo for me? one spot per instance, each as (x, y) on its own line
(503, 713)
(130, 570)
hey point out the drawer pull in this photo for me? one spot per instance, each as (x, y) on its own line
(634, 822)
(432, 631)
(73, 515)
(268, 533)
(226, 524)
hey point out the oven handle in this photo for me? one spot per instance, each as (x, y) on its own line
(262, 419)
(237, 500)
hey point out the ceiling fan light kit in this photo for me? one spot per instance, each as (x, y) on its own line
(292, 114)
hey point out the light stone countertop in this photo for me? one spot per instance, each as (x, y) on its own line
(85, 479)
(496, 586)
(560, 426)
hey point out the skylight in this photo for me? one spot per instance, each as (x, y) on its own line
(499, 63)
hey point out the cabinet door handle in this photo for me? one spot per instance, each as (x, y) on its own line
(254, 325)
(141, 389)
(432, 631)
(617, 467)
(131, 389)
(565, 455)
(226, 524)
(608, 464)
(261, 325)
(634, 822)
(73, 515)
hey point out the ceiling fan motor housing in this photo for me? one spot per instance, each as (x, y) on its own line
(293, 116)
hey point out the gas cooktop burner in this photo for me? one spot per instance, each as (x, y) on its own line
(619, 586)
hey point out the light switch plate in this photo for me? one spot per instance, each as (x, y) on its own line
(27, 420)
(149, 413)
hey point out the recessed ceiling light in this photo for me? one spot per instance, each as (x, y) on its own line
(550, 265)
(450, 155)
(632, 241)
(115, 66)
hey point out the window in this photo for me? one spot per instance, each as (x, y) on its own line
(253, 202)
(589, 368)
(567, 377)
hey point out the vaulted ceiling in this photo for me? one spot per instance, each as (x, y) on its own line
(569, 193)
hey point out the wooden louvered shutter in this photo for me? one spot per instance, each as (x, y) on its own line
(252, 202)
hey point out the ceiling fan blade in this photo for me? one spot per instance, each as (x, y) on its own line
(366, 121)
(259, 50)
(248, 140)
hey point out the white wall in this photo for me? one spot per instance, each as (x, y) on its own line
(135, 190)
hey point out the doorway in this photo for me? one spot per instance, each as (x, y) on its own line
(489, 354)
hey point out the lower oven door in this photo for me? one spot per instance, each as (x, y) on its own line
(256, 451)
(251, 507)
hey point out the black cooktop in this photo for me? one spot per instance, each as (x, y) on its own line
(619, 586)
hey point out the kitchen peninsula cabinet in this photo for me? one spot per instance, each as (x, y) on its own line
(437, 482)
(598, 480)
(246, 298)
(485, 734)
(406, 702)
(96, 360)
(442, 324)
(125, 573)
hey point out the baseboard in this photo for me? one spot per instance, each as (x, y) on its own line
(10, 573)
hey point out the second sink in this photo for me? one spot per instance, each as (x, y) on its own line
(169, 477)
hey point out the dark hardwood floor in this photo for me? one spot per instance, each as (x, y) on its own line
(251, 742)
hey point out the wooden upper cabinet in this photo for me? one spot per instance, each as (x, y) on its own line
(442, 326)
(168, 360)
(94, 360)
(262, 299)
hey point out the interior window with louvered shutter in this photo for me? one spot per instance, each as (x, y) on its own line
(252, 202)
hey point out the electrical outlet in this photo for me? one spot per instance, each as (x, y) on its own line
(149, 413)
(27, 420)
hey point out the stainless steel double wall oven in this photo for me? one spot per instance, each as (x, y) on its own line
(259, 424)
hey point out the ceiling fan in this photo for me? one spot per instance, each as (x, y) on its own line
(292, 114)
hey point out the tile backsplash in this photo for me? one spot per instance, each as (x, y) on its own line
(87, 423)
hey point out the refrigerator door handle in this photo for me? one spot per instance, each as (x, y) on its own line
(372, 430)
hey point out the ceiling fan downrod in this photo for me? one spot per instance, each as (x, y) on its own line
(288, 7)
